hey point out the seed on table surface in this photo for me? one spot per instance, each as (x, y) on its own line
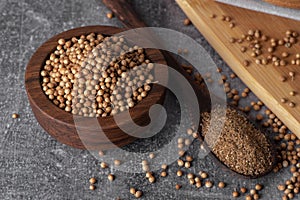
(103, 165)
(258, 187)
(227, 18)
(198, 184)
(190, 175)
(132, 191)
(179, 173)
(189, 158)
(181, 153)
(243, 49)
(292, 93)
(221, 184)
(109, 15)
(163, 174)
(177, 186)
(232, 40)
(15, 116)
(235, 194)
(256, 107)
(213, 16)
(180, 163)
(203, 175)
(252, 191)
(151, 179)
(243, 190)
(259, 117)
(285, 54)
(187, 21)
(292, 75)
(282, 78)
(248, 197)
(283, 100)
(189, 131)
(117, 162)
(232, 25)
(101, 153)
(164, 166)
(151, 155)
(111, 177)
(138, 194)
(292, 104)
(256, 196)
(208, 184)
(281, 187)
(246, 63)
(92, 180)
(187, 164)
(92, 187)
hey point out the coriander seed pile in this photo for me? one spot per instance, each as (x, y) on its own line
(93, 75)
(240, 146)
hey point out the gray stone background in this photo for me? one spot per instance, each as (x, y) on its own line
(35, 166)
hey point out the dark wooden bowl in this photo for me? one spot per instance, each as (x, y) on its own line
(60, 124)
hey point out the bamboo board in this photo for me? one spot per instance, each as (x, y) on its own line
(262, 80)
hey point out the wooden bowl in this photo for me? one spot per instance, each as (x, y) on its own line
(285, 3)
(60, 124)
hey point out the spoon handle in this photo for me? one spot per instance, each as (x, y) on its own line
(124, 11)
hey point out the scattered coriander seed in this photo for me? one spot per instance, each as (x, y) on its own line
(138, 194)
(164, 166)
(292, 75)
(243, 190)
(246, 63)
(151, 155)
(92, 180)
(292, 104)
(179, 173)
(15, 116)
(281, 187)
(235, 194)
(187, 21)
(132, 191)
(256, 196)
(187, 164)
(109, 15)
(243, 49)
(103, 165)
(213, 16)
(232, 25)
(111, 177)
(232, 40)
(258, 187)
(117, 162)
(163, 174)
(283, 100)
(282, 78)
(227, 18)
(101, 153)
(252, 192)
(259, 117)
(92, 187)
(180, 163)
(189, 158)
(151, 179)
(221, 184)
(208, 184)
(177, 186)
(292, 93)
(203, 175)
(248, 197)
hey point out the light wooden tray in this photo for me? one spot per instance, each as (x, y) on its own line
(262, 80)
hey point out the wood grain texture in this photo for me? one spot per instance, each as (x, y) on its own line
(262, 80)
(285, 3)
(60, 124)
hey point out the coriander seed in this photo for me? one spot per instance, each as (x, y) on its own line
(138, 194)
(111, 177)
(15, 116)
(235, 194)
(92, 187)
(221, 184)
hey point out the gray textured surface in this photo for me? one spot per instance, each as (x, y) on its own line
(35, 166)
